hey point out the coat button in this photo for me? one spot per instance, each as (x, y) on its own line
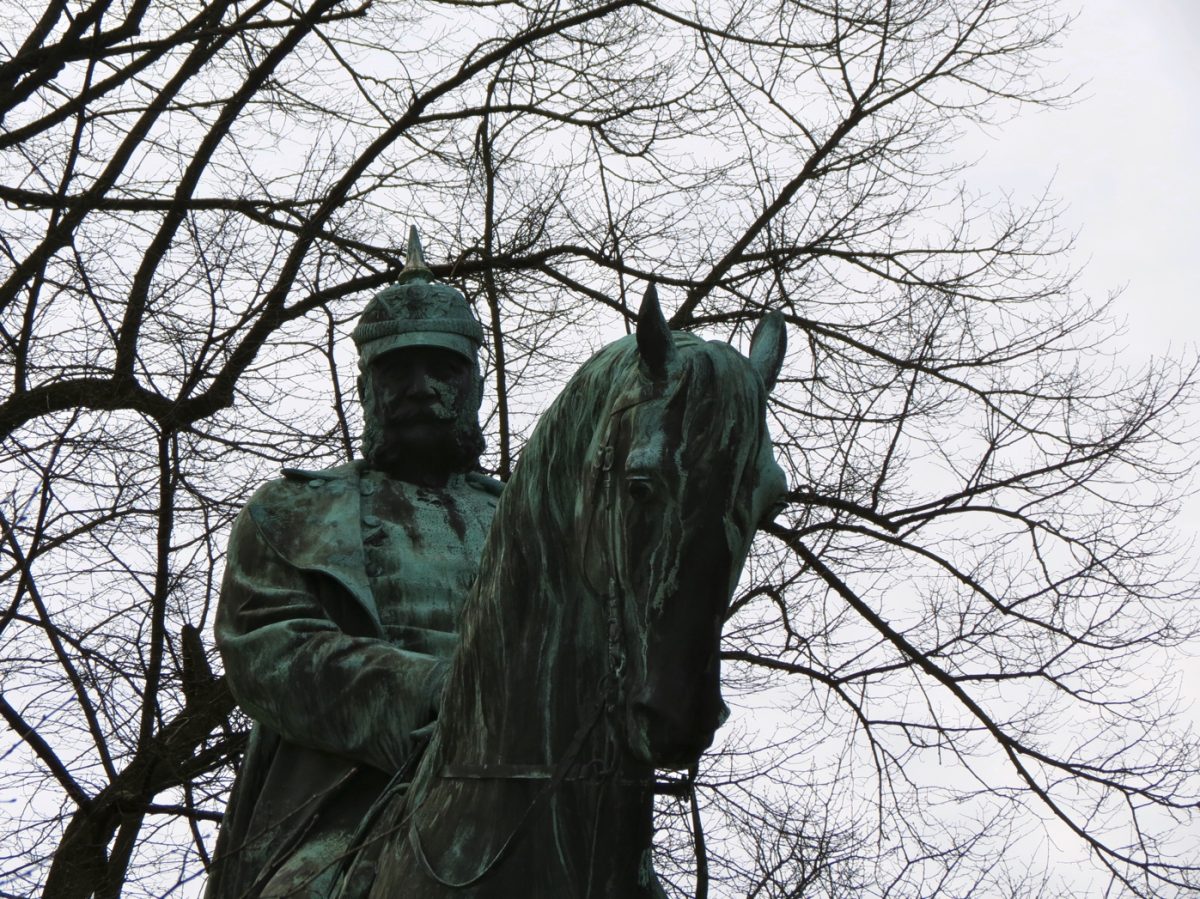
(316, 482)
(371, 521)
(366, 488)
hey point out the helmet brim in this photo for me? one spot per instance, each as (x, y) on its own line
(456, 343)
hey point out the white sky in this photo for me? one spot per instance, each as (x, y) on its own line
(1125, 160)
(1125, 163)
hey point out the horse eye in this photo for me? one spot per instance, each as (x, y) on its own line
(639, 489)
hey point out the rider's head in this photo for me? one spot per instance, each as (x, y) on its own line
(419, 380)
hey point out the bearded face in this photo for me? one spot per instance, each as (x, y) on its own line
(421, 408)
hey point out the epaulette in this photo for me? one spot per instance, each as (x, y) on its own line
(485, 483)
(303, 474)
(339, 473)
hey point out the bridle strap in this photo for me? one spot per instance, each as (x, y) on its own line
(679, 787)
(497, 771)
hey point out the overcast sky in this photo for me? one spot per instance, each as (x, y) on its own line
(1125, 159)
(1123, 163)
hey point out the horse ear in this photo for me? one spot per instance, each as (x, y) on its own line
(767, 347)
(653, 336)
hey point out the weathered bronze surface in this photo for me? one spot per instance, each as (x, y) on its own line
(585, 656)
(342, 594)
(589, 651)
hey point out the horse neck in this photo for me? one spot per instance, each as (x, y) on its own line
(532, 664)
(528, 695)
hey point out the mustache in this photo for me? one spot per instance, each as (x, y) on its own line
(422, 414)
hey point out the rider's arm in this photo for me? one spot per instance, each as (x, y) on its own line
(292, 668)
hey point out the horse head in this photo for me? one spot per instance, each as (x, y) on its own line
(685, 473)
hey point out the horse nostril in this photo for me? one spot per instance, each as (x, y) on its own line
(667, 738)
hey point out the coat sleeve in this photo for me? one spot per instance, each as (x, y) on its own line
(295, 671)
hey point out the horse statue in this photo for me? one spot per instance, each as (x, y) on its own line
(589, 651)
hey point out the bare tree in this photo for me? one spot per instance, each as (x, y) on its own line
(960, 622)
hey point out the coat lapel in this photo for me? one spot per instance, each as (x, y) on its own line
(313, 522)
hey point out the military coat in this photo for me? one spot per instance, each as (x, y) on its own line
(338, 654)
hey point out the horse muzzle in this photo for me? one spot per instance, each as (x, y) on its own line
(671, 735)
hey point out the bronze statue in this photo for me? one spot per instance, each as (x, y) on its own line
(589, 648)
(342, 594)
(586, 654)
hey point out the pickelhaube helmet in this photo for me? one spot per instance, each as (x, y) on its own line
(416, 311)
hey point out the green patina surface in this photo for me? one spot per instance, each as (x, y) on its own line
(524, 790)
(347, 609)
(339, 608)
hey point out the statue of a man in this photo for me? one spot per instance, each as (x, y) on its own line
(342, 594)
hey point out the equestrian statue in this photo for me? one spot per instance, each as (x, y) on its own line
(587, 652)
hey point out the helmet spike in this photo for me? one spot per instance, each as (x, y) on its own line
(416, 311)
(414, 260)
